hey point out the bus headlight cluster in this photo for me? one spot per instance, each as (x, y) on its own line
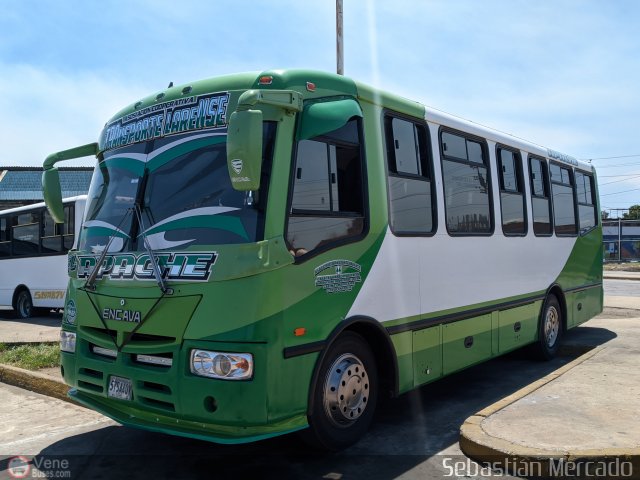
(67, 341)
(222, 365)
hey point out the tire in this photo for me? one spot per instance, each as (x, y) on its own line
(24, 304)
(550, 329)
(344, 396)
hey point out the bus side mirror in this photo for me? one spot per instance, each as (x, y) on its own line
(53, 194)
(244, 149)
(51, 189)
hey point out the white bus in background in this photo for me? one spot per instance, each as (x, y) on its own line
(33, 256)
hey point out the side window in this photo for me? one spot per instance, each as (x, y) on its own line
(564, 208)
(5, 239)
(51, 238)
(466, 185)
(327, 202)
(512, 202)
(26, 234)
(540, 200)
(411, 190)
(68, 227)
(586, 202)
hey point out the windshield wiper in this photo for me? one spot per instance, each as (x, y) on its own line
(90, 283)
(154, 261)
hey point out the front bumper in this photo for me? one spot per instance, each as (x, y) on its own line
(156, 422)
(170, 399)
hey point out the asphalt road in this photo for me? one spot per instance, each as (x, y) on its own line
(413, 436)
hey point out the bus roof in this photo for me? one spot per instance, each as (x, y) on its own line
(26, 208)
(328, 84)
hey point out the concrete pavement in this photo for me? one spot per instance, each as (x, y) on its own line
(621, 275)
(33, 330)
(587, 411)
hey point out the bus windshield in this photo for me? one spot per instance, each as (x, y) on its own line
(184, 192)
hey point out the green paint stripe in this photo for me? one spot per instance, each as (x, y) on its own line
(184, 148)
(103, 231)
(220, 222)
(130, 164)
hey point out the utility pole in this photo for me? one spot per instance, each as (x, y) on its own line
(339, 44)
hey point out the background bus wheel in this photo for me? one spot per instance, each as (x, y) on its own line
(550, 329)
(345, 394)
(24, 305)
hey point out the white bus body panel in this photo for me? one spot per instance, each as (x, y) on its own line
(45, 277)
(424, 275)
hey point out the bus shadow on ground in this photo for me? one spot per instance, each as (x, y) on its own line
(407, 432)
(50, 320)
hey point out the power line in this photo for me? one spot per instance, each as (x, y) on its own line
(610, 158)
(618, 181)
(618, 165)
(617, 193)
(621, 175)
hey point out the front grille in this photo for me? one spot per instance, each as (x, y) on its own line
(147, 368)
(146, 338)
(91, 379)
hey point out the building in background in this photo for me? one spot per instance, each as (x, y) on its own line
(23, 185)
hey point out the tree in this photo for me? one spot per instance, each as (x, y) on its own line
(604, 215)
(633, 214)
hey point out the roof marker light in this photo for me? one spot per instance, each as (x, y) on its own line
(266, 80)
(299, 332)
(311, 86)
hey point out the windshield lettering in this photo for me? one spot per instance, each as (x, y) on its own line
(173, 266)
(168, 118)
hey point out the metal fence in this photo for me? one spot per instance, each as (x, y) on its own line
(621, 240)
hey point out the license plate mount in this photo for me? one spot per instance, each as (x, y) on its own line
(120, 388)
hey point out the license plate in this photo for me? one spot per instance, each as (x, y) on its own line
(120, 388)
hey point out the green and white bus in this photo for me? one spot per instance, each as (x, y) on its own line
(264, 253)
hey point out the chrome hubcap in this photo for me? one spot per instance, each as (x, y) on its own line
(346, 390)
(551, 326)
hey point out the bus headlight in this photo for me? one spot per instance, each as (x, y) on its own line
(67, 341)
(222, 365)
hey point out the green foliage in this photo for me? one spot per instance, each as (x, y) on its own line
(633, 214)
(31, 356)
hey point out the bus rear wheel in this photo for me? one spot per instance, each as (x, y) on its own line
(24, 304)
(345, 394)
(550, 329)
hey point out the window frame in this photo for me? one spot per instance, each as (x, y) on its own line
(593, 204)
(487, 164)
(7, 239)
(328, 214)
(428, 170)
(572, 181)
(11, 220)
(546, 184)
(519, 175)
(36, 213)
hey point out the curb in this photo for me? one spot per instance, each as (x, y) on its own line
(484, 448)
(620, 277)
(34, 381)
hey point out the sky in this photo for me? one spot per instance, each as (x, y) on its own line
(560, 73)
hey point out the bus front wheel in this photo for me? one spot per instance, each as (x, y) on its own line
(345, 394)
(24, 304)
(550, 329)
